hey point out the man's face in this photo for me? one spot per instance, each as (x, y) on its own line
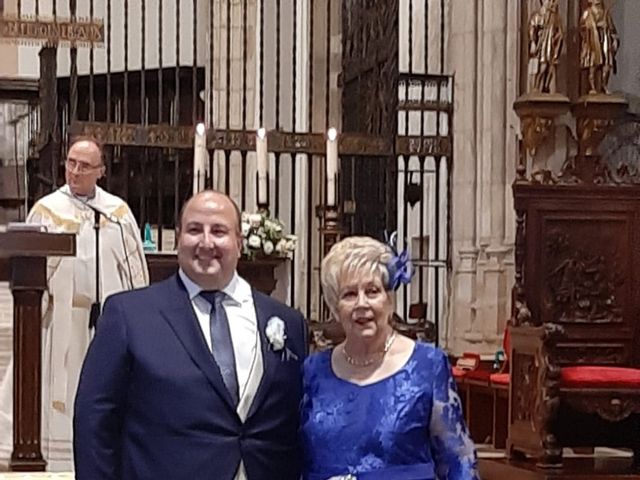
(209, 240)
(83, 167)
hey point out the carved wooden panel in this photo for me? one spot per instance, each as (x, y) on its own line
(577, 277)
(584, 274)
(580, 268)
(588, 354)
(525, 378)
(609, 405)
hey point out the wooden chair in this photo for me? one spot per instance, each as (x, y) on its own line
(484, 391)
(554, 406)
(473, 388)
(575, 338)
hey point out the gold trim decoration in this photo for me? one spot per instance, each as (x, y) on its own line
(69, 226)
(538, 113)
(535, 130)
(121, 211)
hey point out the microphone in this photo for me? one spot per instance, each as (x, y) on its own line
(97, 211)
(95, 307)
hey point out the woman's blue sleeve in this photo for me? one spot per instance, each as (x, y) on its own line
(451, 445)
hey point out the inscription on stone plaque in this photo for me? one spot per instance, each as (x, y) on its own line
(51, 31)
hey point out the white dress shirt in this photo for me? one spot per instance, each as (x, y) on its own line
(243, 323)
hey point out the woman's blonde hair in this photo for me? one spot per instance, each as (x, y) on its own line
(362, 255)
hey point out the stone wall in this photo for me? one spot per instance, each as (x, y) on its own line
(483, 57)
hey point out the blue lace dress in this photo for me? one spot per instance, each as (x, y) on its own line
(408, 426)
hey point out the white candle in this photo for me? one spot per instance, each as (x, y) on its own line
(262, 155)
(332, 166)
(199, 158)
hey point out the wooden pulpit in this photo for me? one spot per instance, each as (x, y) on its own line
(23, 261)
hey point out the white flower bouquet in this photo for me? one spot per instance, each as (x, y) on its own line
(264, 236)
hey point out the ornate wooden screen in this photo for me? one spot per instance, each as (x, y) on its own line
(575, 298)
(295, 68)
(370, 102)
(396, 95)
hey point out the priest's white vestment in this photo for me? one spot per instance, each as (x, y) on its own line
(66, 307)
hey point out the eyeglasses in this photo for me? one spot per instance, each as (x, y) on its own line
(80, 168)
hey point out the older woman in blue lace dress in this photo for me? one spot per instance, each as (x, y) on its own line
(379, 405)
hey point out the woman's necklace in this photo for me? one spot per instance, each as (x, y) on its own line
(373, 358)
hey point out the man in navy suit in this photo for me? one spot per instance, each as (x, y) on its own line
(196, 377)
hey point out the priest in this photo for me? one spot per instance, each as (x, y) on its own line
(71, 291)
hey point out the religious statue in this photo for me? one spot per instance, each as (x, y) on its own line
(599, 45)
(546, 37)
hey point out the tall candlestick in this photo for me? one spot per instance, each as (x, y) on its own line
(199, 158)
(332, 166)
(262, 155)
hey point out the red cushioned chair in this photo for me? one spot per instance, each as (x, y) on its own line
(479, 397)
(575, 335)
(459, 374)
(470, 366)
(558, 402)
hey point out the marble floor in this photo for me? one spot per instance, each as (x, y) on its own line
(37, 476)
(487, 451)
(484, 451)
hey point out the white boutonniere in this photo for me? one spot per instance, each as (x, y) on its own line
(276, 333)
(277, 336)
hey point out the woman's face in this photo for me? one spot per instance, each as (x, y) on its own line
(364, 306)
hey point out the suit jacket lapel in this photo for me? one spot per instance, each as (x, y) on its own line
(270, 359)
(177, 310)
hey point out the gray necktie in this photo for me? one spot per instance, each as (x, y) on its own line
(221, 343)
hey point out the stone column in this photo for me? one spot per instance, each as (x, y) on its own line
(463, 60)
(482, 57)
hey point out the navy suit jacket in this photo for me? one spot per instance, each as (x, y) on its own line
(151, 403)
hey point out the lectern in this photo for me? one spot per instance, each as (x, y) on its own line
(23, 261)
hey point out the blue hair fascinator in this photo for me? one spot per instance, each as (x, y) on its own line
(400, 267)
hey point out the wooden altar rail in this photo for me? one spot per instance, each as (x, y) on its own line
(181, 136)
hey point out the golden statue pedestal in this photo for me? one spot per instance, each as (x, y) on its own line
(596, 115)
(537, 112)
